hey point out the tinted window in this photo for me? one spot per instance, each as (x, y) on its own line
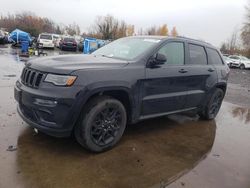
(174, 52)
(214, 57)
(197, 54)
(48, 37)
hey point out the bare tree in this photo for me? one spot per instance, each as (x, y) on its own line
(245, 34)
(152, 31)
(233, 42)
(174, 32)
(107, 26)
(72, 29)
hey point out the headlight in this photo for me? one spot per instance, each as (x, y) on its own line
(60, 80)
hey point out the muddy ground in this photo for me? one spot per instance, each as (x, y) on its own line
(173, 151)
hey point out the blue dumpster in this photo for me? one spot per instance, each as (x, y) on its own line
(25, 46)
(90, 45)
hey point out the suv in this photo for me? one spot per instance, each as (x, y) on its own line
(239, 62)
(131, 79)
(47, 40)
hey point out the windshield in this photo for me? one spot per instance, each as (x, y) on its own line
(127, 48)
(48, 37)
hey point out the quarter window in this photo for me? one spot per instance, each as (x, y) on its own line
(214, 57)
(197, 55)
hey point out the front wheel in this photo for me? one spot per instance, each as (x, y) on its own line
(213, 105)
(101, 124)
(242, 66)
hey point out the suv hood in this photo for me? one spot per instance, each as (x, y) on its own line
(65, 64)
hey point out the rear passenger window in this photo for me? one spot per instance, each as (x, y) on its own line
(214, 57)
(197, 55)
(174, 52)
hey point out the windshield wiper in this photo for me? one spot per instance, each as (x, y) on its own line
(108, 56)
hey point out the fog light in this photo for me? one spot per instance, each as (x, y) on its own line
(35, 130)
(44, 102)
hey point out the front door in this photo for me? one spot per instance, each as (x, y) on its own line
(164, 88)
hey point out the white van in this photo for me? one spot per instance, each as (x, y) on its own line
(47, 40)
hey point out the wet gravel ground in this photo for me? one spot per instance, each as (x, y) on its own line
(240, 77)
(175, 151)
(238, 90)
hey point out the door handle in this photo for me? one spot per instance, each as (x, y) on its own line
(183, 71)
(211, 70)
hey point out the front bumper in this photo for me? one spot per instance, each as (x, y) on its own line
(44, 129)
(234, 64)
(48, 45)
(43, 110)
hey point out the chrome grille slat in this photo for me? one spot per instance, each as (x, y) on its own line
(31, 77)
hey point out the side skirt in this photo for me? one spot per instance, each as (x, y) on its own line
(165, 113)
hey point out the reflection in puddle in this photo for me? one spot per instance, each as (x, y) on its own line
(153, 152)
(242, 113)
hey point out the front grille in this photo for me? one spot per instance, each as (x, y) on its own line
(31, 77)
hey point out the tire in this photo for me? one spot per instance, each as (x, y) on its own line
(242, 66)
(213, 105)
(101, 124)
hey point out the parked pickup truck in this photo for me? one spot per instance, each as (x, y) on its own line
(131, 79)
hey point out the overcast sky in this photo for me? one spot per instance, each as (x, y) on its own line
(209, 20)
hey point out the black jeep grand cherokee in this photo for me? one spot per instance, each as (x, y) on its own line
(131, 79)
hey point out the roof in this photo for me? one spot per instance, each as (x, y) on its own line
(178, 37)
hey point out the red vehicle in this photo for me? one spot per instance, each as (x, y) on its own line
(68, 43)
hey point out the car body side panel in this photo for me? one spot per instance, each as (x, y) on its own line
(163, 90)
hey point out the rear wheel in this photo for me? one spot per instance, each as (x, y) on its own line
(213, 106)
(242, 66)
(101, 124)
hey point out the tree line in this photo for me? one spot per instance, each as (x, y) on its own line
(239, 41)
(33, 24)
(105, 27)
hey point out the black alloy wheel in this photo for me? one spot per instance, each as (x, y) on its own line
(101, 124)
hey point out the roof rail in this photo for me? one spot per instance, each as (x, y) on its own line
(193, 39)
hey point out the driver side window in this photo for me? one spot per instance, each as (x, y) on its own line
(174, 52)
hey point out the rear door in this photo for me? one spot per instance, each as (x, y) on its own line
(200, 75)
(164, 88)
(215, 59)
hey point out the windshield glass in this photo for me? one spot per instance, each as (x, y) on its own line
(127, 48)
(48, 37)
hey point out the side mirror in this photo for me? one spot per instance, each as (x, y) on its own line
(157, 59)
(160, 58)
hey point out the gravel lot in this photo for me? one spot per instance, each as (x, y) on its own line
(238, 91)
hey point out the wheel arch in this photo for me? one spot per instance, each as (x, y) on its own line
(222, 86)
(123, 94)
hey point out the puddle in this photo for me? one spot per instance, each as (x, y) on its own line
(150, 153)
(242, 113)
